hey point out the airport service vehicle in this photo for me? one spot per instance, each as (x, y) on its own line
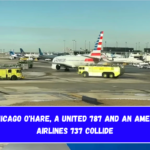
(26, 58)
(11, 73)
(29, 63)
(104, 71)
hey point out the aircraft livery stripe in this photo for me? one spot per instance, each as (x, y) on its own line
(95, 54)
(98, 46)
(89, 60)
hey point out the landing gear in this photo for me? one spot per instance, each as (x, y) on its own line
(58, 67)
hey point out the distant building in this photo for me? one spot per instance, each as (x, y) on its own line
(81, 52)
(118, 49)
(147, 50)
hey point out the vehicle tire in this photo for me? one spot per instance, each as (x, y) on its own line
(57, 67)
(111, 75)
(14, 77)
(105, 75)
(85, 74)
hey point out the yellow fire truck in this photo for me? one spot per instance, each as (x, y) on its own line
(11, 73)
(104, 71)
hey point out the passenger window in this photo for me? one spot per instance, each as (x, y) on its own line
(9, 71)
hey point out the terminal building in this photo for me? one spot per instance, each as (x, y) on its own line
(76, 52)
(119, 50)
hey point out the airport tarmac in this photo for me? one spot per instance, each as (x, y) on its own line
(44, 84)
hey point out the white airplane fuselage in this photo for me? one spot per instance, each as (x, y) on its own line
(32, 55)
(13, 56)
(71, 61)
(127, 60)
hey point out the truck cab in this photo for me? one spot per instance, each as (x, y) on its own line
(11, 73)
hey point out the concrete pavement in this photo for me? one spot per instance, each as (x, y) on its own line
(44, 84)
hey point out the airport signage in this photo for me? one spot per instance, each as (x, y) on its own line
(75, 124)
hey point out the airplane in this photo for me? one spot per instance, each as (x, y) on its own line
(95, 57)
(70, 61)
(130, 59)
(28, 55)
(13, 55)
(45, 57)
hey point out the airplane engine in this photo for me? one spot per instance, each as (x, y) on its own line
(58, 67)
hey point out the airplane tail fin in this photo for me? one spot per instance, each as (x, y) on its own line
(22, 51)
(96, 53)
(40, 52)
(11, 53)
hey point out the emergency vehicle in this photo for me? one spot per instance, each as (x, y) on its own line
(104, 71)
(11, 73)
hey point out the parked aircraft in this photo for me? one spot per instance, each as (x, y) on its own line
(28, 55)
(45, 57)
(13, 55)
(130, 59)
(51, 56)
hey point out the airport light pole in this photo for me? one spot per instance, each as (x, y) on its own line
(105, 43)
(73, 45)
(64, 46)
(85, 44)
(89, 45)
(76, 45)
(136, 46)
(147, 44)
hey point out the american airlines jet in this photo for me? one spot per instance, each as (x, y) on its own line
(69, 61)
